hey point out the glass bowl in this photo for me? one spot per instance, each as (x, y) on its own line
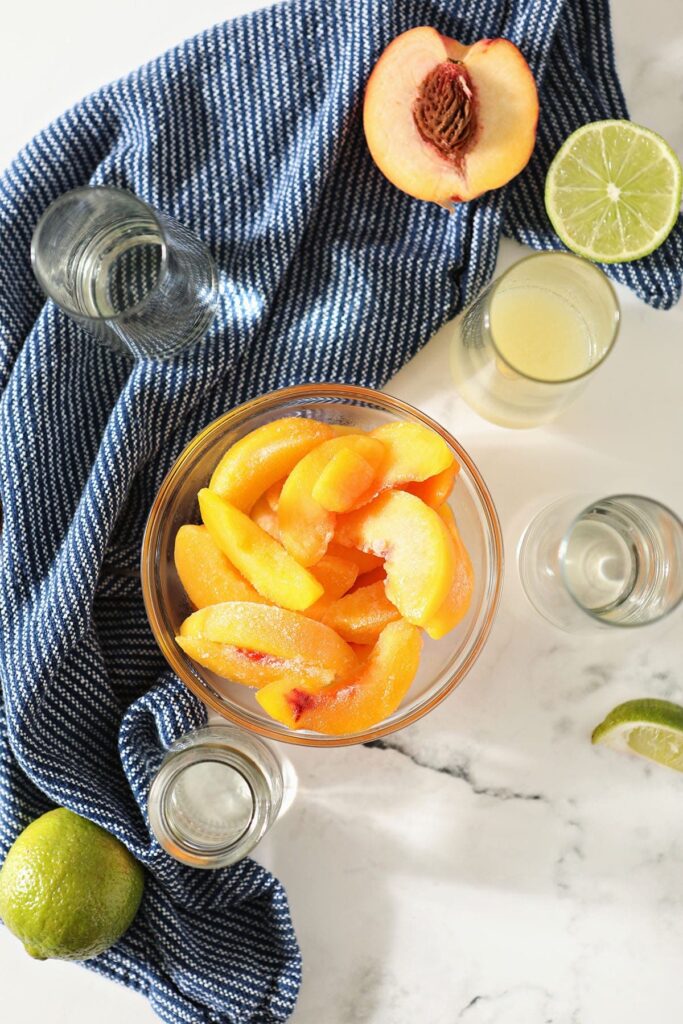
(444, 663)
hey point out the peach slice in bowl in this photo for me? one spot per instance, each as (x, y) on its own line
(443, 663)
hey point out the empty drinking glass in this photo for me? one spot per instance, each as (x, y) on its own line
(139, 281)
(216, 794)
(615, 561)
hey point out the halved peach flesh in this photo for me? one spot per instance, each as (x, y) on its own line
(345, 477)
(206, 574)
(276, 632)
(345, 708)
(251, 668)
(337, 576)
(306, 528)
(446, 122)
(261, 458)
(260, 559)
(459, 597)
(435, 489)
(361, 616)
(417, 549)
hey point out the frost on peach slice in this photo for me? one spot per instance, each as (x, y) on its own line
(344, 708)
(417, 550)
(361, 616)
(435, 489)
(261, 458)
(306, 528)
(273, 632)
(336, 575)
(251, 668)
(446, 122)
(264, 562)
(204, 571)
(459, 597)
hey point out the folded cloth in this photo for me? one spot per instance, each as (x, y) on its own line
(251, 135)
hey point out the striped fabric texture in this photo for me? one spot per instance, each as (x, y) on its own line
(251, 135)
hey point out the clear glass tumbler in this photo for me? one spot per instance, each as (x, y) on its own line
(216, 794)
(140, 282)
(615, 561)
(525, 348)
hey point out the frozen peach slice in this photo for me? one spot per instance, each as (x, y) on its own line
(337, 576)
(263, 515)
(412, 452)
(417, 549)
(261, 458)
(446, 122)
(435, 489)
(264, 562)
(364, 561)
(266, 630)
(306, 528)
(272, 495)
(251, 668)
(458, 599)
(343, 708)
(204, 571)
(361, 616)
(345, 477)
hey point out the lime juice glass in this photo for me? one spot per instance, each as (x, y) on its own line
(526, 347)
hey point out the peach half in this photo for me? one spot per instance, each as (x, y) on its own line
(382, 682)
(446, 122)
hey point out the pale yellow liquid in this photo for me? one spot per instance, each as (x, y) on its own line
(539, 333)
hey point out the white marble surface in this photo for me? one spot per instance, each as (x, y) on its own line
(491, 867)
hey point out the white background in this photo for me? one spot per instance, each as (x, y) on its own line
(416, 897)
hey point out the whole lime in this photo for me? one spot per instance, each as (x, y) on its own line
(68, 889)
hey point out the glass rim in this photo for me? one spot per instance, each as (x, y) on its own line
(563, 550)
(574, 258)
(150, 541)
(78, 314)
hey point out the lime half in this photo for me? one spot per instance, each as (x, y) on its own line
(613, 191)
(651, 728)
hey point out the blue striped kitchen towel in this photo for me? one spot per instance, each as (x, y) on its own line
(251, 135)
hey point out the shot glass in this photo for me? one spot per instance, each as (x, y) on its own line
(527, 346)
(615, 561)
(138, 281)
(217, 792)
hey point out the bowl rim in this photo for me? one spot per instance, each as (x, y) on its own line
(166, 642)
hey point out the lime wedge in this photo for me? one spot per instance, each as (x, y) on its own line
(613, 191)
(649, 727)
